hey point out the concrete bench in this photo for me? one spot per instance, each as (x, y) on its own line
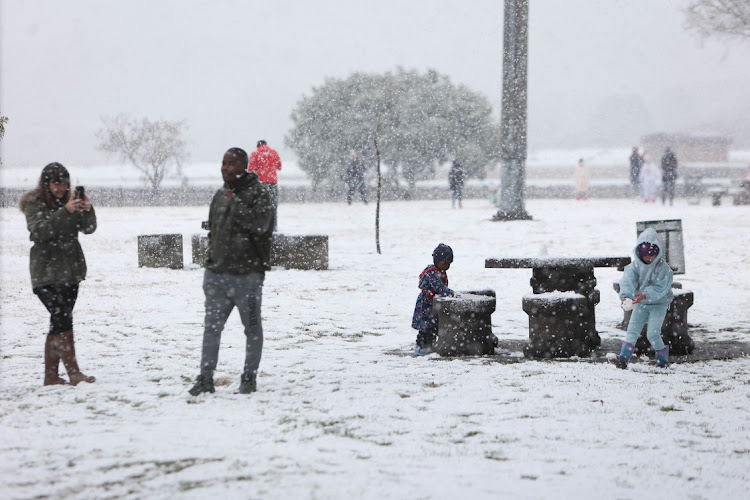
(289, 251)
(716, 194)
(199, 247)
(623, 325)
(300, 251)
(674, 329)
(557, 325)
(740, 195)
(465, 324)
(160, 250)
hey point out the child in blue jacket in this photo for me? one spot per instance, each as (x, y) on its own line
(432, 281)
(647, 282)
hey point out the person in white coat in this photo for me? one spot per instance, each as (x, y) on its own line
(650, 176)
(582, 180)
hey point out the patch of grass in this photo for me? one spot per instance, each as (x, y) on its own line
(529, 477)
(669, 408)
(471, 434)
(495, 455)
(431, 385)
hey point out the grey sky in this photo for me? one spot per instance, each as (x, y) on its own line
(601, 73)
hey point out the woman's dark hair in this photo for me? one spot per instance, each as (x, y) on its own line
(53, 172)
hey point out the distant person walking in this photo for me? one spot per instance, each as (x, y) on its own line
(582, 179)
(355, 178)
(240, 225)
(668, 175)
(649, 178)
(54, 217)
(456, 182)
(636, 163)
(265, 162)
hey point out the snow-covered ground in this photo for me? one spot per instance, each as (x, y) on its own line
(342, 410)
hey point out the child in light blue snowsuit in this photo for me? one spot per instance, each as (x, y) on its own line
(432, 281)
(647, 281)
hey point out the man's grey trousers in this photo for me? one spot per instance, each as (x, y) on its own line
(224, 292)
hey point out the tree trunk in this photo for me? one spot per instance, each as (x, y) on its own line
(513, 122)
(377, 203)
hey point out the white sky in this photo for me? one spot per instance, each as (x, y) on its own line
(234, 70)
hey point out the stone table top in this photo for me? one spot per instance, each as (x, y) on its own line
(556, 262)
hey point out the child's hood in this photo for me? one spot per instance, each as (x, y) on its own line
(652, 237)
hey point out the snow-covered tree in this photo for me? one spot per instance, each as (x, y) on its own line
(728, 19)
(419, 121)
(151, 146)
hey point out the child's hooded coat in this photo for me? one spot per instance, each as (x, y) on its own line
(432, 282)
(653, 280)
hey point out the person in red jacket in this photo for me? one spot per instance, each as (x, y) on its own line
(265, 161)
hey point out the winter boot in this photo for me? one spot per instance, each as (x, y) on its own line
(626, 351)
(247, 383)
(203, 384)
(422, 351)
(52, 362)
(68, 356)
(662, 357)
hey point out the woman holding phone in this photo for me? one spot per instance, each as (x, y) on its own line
(54, 217)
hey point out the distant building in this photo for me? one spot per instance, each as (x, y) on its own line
(687, 147)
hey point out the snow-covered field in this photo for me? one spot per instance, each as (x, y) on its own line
(342, 410)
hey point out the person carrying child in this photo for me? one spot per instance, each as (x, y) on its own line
(646, 288)
(432, 281)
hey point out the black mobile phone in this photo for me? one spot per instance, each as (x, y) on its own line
(80, 193)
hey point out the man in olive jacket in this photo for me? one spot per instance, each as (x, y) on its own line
(240, 224)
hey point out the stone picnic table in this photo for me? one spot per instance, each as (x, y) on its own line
(561, 324)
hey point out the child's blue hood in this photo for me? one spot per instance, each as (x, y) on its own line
(649, 236)
(644, 271)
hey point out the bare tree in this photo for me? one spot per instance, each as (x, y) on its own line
(728, 19)
(3, 121)
(151, 146)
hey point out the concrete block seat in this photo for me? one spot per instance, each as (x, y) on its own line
(716, 194)
(740, 195)
(465, 324)
(160, 250)
(199, 247)
(674, 329)
(558, 325)
(623, 325)
(308, 252)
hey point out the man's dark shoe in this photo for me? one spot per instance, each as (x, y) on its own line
(202, 384)
(247, 383)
